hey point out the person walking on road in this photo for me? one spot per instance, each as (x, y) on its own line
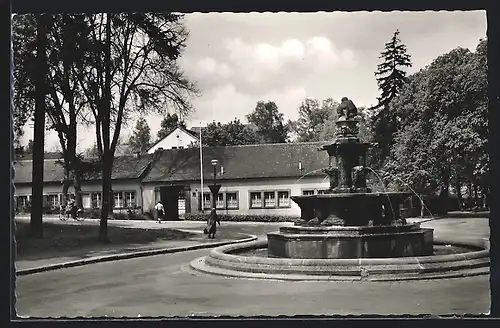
(159, 211)
(213, 219)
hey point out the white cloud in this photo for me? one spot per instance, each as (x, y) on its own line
(206, 68)
(259, 61)
(327, 53)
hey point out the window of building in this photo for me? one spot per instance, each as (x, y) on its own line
(22, 201)
(219, 204)
(174, 147)
(207, 201)
(96, 200)
(269, 199)
(255, 199)
(307, 192)
(130, 199)
(181, 147)
(118, 200)
(157, 195)
(53, 201)
(86, 200)
(283, 199)
(231, 200)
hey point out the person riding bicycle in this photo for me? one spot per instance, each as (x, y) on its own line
(72, 209)
(68, 211)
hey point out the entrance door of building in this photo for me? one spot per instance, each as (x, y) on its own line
(169, 196)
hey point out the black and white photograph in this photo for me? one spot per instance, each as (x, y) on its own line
(172, 164)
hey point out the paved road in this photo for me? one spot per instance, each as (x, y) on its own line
(161, 286)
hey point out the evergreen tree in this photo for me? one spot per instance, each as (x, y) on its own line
(390, 78)
(140, 140)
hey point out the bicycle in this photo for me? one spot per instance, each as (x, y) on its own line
(66, 213)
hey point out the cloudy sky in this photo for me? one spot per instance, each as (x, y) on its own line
(239, 59)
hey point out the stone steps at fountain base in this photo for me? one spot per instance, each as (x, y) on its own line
(348, 270)
(199, 266)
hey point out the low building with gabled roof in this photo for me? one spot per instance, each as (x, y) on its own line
(254, 179)
(128, 171)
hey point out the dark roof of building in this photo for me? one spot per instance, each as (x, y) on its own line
(125, 167)
(191, 132)
(23, 171)
(239, 162)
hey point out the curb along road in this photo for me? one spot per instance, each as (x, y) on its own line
(124, 256)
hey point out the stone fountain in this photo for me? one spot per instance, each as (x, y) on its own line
(350, 233)
(349, 220)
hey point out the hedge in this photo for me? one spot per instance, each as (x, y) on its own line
(241, 217)
(96, 214)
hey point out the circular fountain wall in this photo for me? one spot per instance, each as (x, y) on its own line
(235, 261)
(350, 242)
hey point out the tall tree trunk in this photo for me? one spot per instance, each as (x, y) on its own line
(78, 188)
(106, 202)
(66, 184)
(105, 112)
(36, 228)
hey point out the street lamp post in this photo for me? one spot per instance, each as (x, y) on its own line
(215, 187)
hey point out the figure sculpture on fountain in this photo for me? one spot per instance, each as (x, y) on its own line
(347, 110)
(347, 122)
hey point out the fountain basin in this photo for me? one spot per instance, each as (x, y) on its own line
(223, 261)
(355, 208)
(350, 242)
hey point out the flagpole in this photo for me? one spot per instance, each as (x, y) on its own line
(201, 172)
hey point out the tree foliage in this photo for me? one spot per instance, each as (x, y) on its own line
(390, 78)
(229, 134)
(64, 101)
(140, 140)
(443, 137)
(130, 64)
(270, 124)
(317, 119)
(313, 116)
(102, 66)
(169, 122)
